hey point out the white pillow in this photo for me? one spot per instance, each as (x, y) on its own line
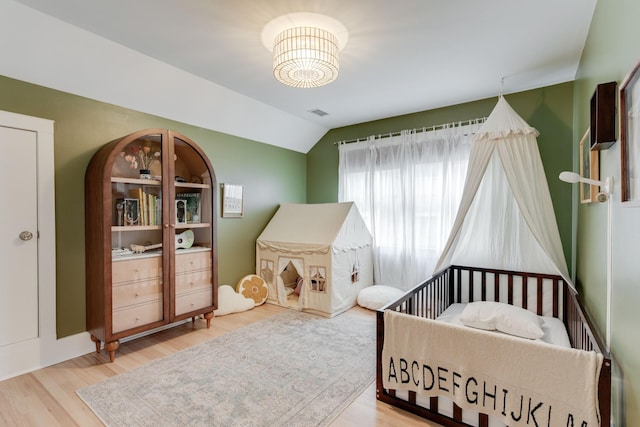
(377, 296)
(229, 301)
(512, 320)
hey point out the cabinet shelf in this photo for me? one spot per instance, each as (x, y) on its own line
(129, 228)
(191, 185)
(150, 182)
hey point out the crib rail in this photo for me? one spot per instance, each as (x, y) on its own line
(543, 294)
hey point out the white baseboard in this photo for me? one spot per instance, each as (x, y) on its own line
(28, 356)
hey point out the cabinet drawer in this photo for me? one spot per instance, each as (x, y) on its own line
(136, 269)
(136, 292)
(193, 261)
(193, 301)
(138, 315)
(193, 281)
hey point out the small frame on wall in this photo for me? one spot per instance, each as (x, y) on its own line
(589, 168)
(630, 137)
(232, 200)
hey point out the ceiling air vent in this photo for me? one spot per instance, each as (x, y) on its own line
(318, 112)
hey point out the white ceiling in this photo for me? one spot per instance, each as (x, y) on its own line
(402, 56)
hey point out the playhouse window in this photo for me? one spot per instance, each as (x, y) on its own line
(318, 279)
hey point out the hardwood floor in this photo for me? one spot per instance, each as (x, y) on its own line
(47, 397)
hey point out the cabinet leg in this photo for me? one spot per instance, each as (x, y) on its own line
(97, 341)
(208, 316)
(111, 347)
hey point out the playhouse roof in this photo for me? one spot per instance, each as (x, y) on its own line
(315, 228)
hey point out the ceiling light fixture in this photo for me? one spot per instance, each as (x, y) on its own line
(305, 48)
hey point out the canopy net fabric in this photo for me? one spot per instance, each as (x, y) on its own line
(506, 218)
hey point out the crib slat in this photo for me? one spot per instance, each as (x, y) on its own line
(539, 297)
(510, 291)
(556, 283)
(457, 412)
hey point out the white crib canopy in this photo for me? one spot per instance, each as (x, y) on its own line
(506, 219)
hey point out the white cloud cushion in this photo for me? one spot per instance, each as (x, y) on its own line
(229, 301)
(377, 296)
(497, 316)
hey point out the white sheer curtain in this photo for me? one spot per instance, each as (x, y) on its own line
(407, 189)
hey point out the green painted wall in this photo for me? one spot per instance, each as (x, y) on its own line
(610, 53)
(549, 109)
(270, 175)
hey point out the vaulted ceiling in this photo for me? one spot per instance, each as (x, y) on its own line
(203, 62)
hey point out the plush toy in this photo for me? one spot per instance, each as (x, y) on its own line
(229, 301)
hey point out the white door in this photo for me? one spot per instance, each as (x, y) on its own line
(18, 236)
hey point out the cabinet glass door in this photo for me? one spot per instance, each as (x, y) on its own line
(137, 233)
(193, 228)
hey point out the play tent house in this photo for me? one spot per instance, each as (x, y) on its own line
(315, 257)
(506, 219)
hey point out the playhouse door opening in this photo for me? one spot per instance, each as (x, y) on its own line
(292, 280)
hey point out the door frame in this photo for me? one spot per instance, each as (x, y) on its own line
(46, 349)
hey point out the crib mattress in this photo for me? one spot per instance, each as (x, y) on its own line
(553, 328)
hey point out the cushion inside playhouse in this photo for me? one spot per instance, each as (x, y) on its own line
(229, 301)
(377, 296)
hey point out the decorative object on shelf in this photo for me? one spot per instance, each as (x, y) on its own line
(305, 48)
(254, 287)
(184, 240)
(630, 137)
(232, 200)
(142, 157)
(589, 168)
(603, 116)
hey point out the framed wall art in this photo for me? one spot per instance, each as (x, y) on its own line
(232, 201)
(630, 137)
(589, 168)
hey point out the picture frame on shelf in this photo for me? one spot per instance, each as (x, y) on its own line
(589, 168)
(630, 137)
(131, 211)
(232, 200)
(181, 212)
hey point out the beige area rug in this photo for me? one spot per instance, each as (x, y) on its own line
(292, 369)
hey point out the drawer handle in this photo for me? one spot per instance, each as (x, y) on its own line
(137, 294)
(192, 283)
(136, 270)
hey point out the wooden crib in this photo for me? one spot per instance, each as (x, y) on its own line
(543, 294)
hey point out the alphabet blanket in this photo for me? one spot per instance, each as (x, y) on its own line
(521, 382)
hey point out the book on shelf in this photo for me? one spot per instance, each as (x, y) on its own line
(150, 206)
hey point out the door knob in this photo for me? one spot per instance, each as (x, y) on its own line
(26, 235)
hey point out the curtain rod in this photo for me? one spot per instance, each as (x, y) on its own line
(424, 129)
